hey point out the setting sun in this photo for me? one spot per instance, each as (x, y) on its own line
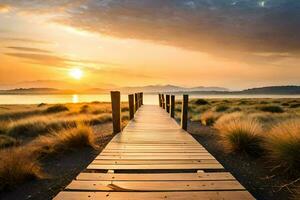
(76, 73)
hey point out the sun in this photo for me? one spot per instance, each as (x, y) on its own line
(76, 73)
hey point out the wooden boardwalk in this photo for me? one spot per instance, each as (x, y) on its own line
(153, 158)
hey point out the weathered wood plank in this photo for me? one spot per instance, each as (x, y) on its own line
(221, 176)
(155, 185)
(157, 166)
(207, 195)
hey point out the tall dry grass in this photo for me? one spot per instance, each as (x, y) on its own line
(18, 165)
(283, 146)
(240, 134)
(208, 118)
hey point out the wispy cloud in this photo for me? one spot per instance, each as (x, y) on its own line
(24, 40)
(28, 49)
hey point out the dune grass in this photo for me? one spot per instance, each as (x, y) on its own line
(57, 108)
(208, 118)
(20, 164)
(240, 134)
(283, 145)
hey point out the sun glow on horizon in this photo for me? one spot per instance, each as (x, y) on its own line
(76, 73)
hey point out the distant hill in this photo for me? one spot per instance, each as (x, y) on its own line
(280, 90)
(273, 90)
(36, 91)
(169, 88)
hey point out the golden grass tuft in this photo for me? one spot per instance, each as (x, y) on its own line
(64, 140)
(18, 165)
(208, 118)
(240, 134)
(283, 145)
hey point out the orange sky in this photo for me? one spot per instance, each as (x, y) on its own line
(40, 43)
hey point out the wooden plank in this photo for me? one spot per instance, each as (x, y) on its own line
(154, 154)
(221, 176)
(157, 166)
(154, 150)
(155, 157)
(155, 185)
(147, 162)
(205, 195)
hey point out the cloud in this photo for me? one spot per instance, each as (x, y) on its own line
(212, 26)
(43, 59)
(4, 8)
(28, 49)
(24, 40)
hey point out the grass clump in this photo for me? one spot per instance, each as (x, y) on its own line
(208, 118)
(7, 141)
(283, 145)
(65, 140)
(201, 102)
(17, 165)
(297, 105)
(221, 108)
(240, 134)
(272, 109)
(57, 108)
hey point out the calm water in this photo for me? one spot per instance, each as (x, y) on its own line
(148, 99)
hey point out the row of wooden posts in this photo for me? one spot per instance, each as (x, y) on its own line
(167, 102)
(135, 101)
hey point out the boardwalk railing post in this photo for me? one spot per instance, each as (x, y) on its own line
(136, 102)
(131, 106)
(184, 111)
(163, 101)
(168, 103)
(159, 100)
(142, 98)
(116, 111)
(172, 106)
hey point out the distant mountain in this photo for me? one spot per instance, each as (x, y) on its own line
(280, 90)
(273, 90)
(36, 91)
(169, 88)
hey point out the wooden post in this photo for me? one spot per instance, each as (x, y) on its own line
(116, 110)
(136, 102)
(168, 103)
(131, 106)
(184, 111)
(172, 106)
(159, 100)
(142, 98)
(163, 101)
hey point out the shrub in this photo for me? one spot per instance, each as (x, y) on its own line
(208, 118)
(57, 108)
(272, 109)
(201, 102)
(297, 105)
(6, 141)
(17, 165)
(84, 109)
(240, 134)
(41, 105)
(221, 108)
(64, 140)
(283, 145)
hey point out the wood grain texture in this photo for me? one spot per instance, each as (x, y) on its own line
(153, 158)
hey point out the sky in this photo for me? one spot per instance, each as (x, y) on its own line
(235, 44)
